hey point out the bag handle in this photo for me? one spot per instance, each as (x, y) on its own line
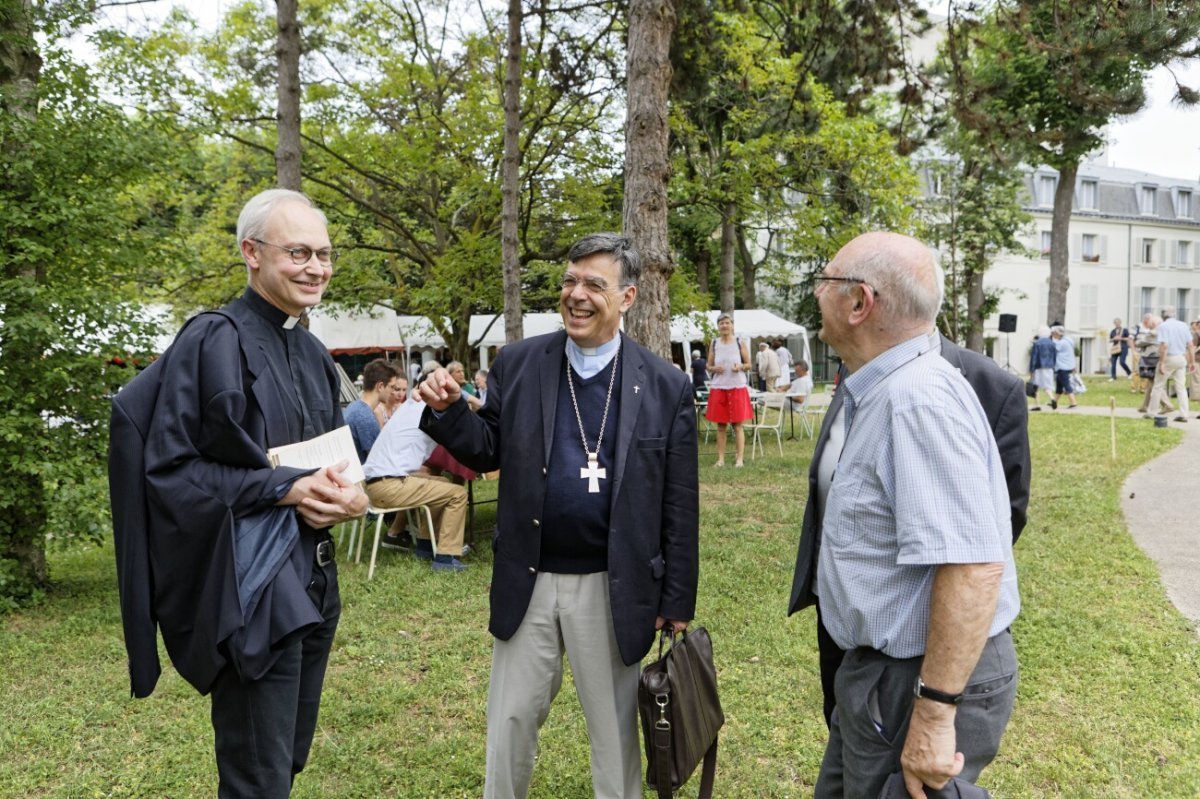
(663, 754)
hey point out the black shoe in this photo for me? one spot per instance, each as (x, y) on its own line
(1036, 408)
(424, 549)
(389, 541)
(1054, 405)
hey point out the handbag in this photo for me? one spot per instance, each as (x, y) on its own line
(681, 713)
(1077, 384)
(1114, 349)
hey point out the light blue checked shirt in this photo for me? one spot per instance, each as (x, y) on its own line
(919, 484)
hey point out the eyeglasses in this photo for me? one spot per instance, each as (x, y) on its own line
(592, 285)
(301, 255)
(842, 279)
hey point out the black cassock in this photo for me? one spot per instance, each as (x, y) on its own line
(203, 552)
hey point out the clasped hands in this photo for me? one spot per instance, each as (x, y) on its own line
(326, 497)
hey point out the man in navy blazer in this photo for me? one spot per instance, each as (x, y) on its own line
(1002, 396)
(596, 542)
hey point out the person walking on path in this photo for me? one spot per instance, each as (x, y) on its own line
(1041, 367)
(1064, 366)
(1176, 360)
(1118, 350)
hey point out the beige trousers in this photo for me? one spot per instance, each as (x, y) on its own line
(571, 613)
(447, 504)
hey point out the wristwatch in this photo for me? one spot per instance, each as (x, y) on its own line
(923, 691)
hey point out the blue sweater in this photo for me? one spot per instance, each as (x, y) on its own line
(575, 522)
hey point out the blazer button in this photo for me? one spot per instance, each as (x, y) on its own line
(543, 471)
(537, 523)
(532, 570)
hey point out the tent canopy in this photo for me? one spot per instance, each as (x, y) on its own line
(346, 332)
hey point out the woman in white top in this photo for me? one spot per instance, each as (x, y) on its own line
(728, 396)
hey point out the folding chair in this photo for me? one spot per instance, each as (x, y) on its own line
(359, 524)
(770, 401)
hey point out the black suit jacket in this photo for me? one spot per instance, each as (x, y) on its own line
(653, 534)
(1002, 396)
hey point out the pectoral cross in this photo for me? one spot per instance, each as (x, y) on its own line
(593, 473)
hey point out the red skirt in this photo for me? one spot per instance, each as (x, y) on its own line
(729, 405)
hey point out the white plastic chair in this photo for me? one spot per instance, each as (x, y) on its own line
(770, 401)
(358, 525)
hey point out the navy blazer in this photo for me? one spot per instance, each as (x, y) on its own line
(1002, 396)
(653, 534)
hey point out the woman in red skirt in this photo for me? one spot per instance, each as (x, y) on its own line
(728, 396)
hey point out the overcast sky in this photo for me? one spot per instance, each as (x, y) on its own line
(1163, 139)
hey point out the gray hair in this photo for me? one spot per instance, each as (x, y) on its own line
(1044, 331)
(695, 353)
(614, 244)
(429, 367)
(903, 292)
(801, 364)
(1168, 312)
(252, 221)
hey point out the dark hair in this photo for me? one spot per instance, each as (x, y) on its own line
(376, 372)
(618, 246)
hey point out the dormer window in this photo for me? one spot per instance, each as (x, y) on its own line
(1087, 195)
(1148, 200)
(1183, 204)
(1045, 189)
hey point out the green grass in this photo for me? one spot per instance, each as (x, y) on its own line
(1108, 706)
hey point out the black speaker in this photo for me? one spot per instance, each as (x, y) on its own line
(1008, 323)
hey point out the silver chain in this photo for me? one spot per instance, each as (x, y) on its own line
(575, 404)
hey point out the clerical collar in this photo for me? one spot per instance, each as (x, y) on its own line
(266, 310)
(590, 361)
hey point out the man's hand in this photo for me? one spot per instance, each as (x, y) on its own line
(439, 391)
(929, 756)
(326, 497)
(677, 626)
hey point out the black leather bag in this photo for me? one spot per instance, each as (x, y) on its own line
(681, 713)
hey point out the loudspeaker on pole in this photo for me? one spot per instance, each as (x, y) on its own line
(1008, 323)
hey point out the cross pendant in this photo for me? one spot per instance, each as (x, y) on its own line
(593, 473)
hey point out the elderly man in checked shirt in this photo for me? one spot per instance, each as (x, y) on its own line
(915, 571)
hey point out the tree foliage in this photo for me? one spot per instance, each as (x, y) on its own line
(1048, 76)
(74, 235)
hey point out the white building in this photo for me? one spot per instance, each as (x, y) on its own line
(1134, 248)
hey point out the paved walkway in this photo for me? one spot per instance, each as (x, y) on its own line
(1159, 515)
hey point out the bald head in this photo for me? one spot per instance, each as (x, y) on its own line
(906, 277)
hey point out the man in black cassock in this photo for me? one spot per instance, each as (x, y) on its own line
(231, 558)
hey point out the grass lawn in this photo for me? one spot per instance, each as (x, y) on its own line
(1108, 706)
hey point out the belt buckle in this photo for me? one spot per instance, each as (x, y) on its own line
(324, 552)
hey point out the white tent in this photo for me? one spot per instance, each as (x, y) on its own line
(756, 323)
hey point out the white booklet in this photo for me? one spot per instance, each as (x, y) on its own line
(317, 453)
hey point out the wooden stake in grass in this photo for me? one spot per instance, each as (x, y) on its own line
(1112, 424)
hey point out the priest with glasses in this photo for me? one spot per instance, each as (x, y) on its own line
(596, 542)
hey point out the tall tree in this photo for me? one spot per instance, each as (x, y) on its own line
(1050, 75)
(510, 178)
(287, 53)
(647, 167)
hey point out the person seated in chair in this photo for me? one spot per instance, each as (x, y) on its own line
(801, 386)
(396, 478)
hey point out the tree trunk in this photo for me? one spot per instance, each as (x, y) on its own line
(1064, 192)
(510, 178)
(975, 297)
(647, 168)
(727, 252)
(287, 52)
(749, 270)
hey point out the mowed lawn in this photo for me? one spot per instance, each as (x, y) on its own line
(1108, 706)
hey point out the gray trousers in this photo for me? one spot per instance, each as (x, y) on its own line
(874, 702)
(568, 613)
